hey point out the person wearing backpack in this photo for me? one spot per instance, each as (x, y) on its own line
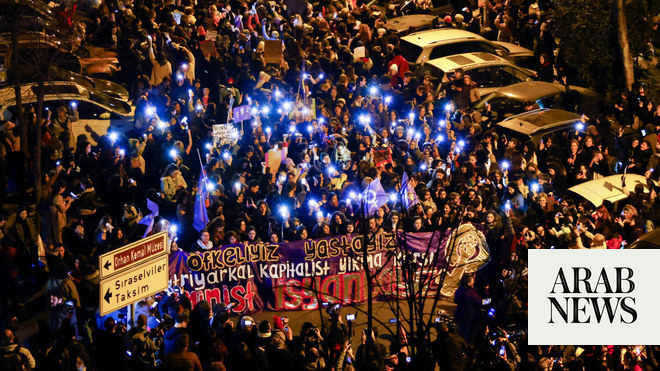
(143, 355)
(62, 297)
(14, 357)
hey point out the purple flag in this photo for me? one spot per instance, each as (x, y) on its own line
(408, 195)
(374, 196)
(201, 217)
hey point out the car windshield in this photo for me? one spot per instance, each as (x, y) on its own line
(410, 51)
(115, 104)
(482, 103)
(67, 76)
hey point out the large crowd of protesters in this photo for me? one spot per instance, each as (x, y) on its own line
(336, 123)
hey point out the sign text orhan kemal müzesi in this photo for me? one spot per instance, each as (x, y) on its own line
(593, 297)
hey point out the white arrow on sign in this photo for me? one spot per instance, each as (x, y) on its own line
(134, 285)
(129, 256)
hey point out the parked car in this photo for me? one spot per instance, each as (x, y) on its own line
(609, 188)
(650, 240)
(410, 23)
(423, 46)
(488, 71)
(37, 48)
(96, 110)
(533, 125)
(511, 100)
(28, 75)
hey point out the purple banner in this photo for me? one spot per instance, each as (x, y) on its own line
(302, 275)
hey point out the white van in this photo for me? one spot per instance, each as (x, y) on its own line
(97, 110)
(423, 46)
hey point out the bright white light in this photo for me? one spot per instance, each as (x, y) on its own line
(373, 90)
(265, 110)
(393, 197)
(505, 165)
(364, 119)
(210, 187)
(418, 136)
(209, 146)
(411, 116)
(319, 215)
(184, 66)
(113, 137)
(440, 138)
(535, 187)
(507, 205)
(322, 120)
(331, 170)
(388, 99)
(268, 130)
(234, 135)
(305, 111)
(292, 129)
(174, 228)
(237, 186)
(284, 211)
(162, 125)
(411, 131)
(310, 128)
(122, 153)
(282, 178)
(254, 111)
(461, 143)
(179, 76)
(305, 75)
(248, 98)
(286, 106)
(226, 155)
(278, 94)
(184, 119)
(151, 111)
(352, 195)
(173, 153)
(74, 104)
(442, 123)
(199, 107)
(321, 76)
(448, 107)
(579, 126)
(312, 203)
(422, 167)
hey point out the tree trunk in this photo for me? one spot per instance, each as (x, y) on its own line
(19, 119)
(36, 164)
(628, 71)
